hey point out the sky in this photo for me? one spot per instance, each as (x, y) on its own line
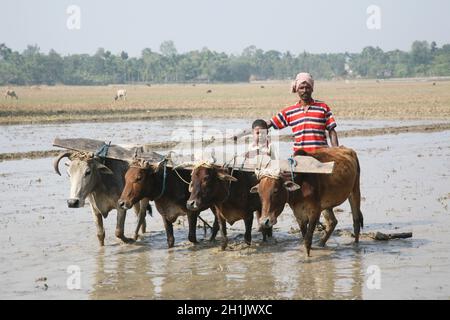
(227, 26)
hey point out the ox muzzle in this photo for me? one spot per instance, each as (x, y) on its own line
(192, 205)
(267, 222)
(124, 204)
(74, 203)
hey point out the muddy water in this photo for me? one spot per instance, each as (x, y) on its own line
(405, 185)
(24, 138)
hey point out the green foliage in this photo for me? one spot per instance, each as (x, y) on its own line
(34, 67)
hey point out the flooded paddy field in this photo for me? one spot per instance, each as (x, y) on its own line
(405, 185)
(39, 137)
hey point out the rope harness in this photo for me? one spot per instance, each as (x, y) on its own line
(292, 164)
(163, 189)
(102, 152)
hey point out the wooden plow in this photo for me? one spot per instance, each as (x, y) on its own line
(297, 164)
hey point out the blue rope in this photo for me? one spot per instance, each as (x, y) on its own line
(164, 181)
(103, 150)
(292, 163)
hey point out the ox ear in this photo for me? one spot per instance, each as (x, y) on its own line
(104, 169)
(291, 186)
(226, 177)
(254, 189)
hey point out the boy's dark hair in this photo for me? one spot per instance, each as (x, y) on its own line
(260, 123)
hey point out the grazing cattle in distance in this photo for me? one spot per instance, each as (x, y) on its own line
(209, 91)
(121, 94)
(164, 186)
(11, 94)
(229, 195)
(310, 194)
(102, 185)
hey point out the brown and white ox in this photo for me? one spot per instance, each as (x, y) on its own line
(165, 187)
(310, 194)
(229, 195)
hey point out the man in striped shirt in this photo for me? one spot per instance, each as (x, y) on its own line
(308, 118)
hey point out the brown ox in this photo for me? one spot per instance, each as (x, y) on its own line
(229, 195)
(310, 194)
(164, 186)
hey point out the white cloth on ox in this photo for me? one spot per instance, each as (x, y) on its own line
(271, 172)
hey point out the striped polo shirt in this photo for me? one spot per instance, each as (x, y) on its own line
(308, 126)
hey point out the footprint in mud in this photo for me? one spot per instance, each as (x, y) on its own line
(444, 200)
(41, 283)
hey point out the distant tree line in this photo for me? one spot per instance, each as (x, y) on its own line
(168, 66)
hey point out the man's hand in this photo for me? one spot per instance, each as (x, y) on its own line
(334, 138)
(269, 124)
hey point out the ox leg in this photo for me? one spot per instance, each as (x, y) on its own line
(331, 222)
(169, 232)
(312, 221)
(248, 229)
(266, 232)
(300, 215)
(120, 226)
(215, 229)
(145, 206)
(192, 221)
(303, 224)
(223, 231)
(141, 211)
(99, 224)
(304, 228)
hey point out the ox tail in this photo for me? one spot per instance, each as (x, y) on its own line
(357, 191)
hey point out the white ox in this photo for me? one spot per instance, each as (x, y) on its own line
(102, 184)
(121, 94)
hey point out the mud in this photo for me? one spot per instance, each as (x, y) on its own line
(405, 187)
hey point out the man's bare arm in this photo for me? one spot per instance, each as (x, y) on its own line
(334, 138)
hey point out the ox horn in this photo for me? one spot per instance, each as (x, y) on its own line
(58, 159)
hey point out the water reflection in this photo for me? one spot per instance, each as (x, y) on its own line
(277, 270)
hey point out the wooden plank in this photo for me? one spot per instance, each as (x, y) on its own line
(304, 164)
(114, 151)
(383, 236)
